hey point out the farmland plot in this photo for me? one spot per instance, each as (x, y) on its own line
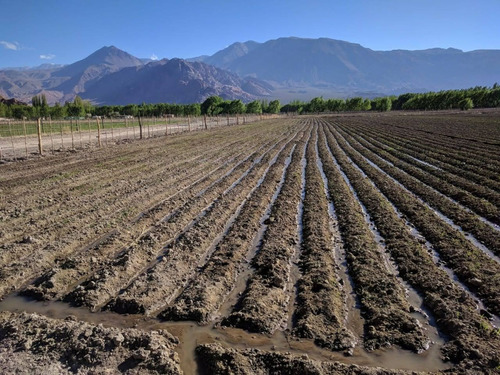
(342, 244)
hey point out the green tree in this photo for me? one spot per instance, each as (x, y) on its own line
(354, 104)
(77, 108)
(40, 106)
(192, 109)
(57, 112)
(212, 106)
(131, 110)
(335, 105)
(382, 104)
(235, 107)
(316, 105)
(466, 104)
(254, 107)
(274, 106)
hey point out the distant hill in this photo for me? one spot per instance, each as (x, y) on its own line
(173, 81)
(112, 76)
(336, 66)
(284, 68)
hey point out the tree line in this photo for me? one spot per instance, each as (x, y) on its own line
(479, 96)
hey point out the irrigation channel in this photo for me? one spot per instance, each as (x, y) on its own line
(292, 245)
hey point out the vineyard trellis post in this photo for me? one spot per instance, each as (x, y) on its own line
(25, 136)
(98, 133)
(51, 134)
(72, 137)
(62, 138)
(112, 133)
(12, 140)
(104, 131)
(140, 127)
(79, 128)
(90, 133)
(39, 129)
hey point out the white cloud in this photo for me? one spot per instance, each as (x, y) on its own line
(47, 57)
(10, 45)
(154, 57)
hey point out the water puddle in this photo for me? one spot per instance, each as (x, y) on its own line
(244, 275)
(295, 273)
(443, 217)
(353, 319)
(191, 334)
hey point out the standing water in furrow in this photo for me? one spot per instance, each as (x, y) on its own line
(319, 305)
(264, 302)
(156, 286)
(107, 283)
(206, 293)
(475, 269)
(454, 312)
(383, 302)
(61, 279)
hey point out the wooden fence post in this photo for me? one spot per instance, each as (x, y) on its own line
(12, 140)
(98, 133)
(25, 136)
(205, 120)
(39, 128)
(189, 124)
(62, 138)
(140, 128)
(72, 137)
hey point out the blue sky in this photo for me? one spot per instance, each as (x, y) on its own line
(64, 31)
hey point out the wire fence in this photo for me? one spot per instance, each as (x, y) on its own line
(20, 139)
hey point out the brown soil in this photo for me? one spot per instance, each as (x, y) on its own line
(223, 251)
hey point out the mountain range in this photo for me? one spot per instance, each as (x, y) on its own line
(284, 68)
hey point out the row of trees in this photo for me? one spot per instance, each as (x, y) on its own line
(212, 106)
(40, 108)
(480, 96)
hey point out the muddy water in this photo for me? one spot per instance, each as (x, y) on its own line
(191, 334)
(422, 314)
(247, 272)
(294, 259)
(443, 217)
(354, 321)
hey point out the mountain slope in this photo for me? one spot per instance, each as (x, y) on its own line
(335, 64)
(173, 81)
(82, 74)
(284, 68)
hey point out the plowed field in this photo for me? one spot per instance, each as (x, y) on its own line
(352, 244)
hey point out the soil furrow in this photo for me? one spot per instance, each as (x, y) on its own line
(445, 183)
(60, 280)
(158, 285)
(319, 308)
(462, 218)
(475, 190)
(447, 302)
(479, 272)
(464, 174)
(265, 299)
(374, 284)
(205, 294)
